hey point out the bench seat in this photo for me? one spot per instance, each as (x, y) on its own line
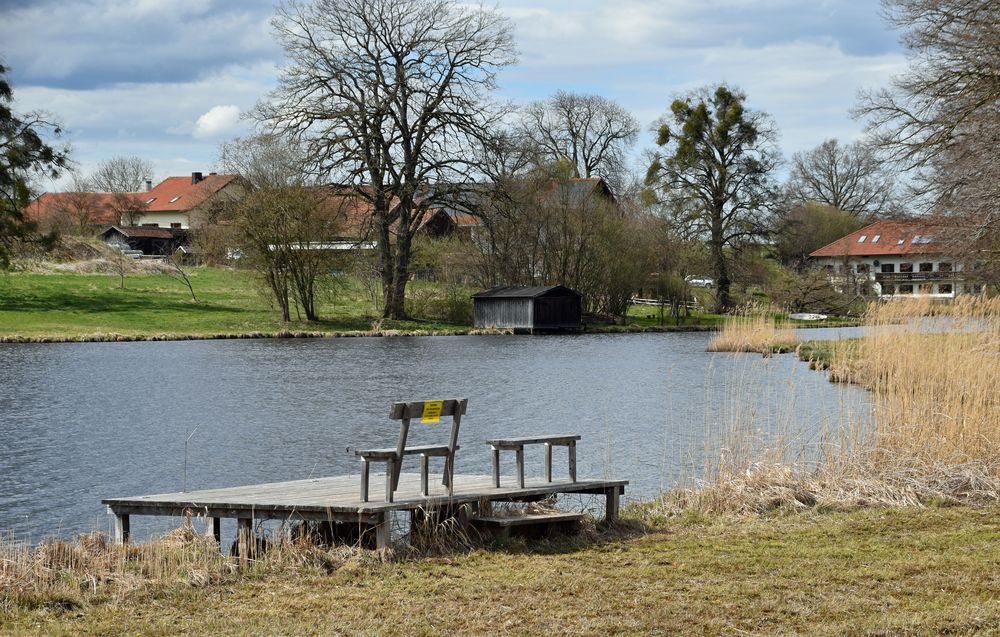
(424, 450)
(517, 445)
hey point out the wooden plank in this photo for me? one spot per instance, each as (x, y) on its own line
(533, 518)
(558, 439)
(548, 462)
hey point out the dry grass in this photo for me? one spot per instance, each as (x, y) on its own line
(932, 434)
(752, 329)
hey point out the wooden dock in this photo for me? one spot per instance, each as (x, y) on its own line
(338, 499)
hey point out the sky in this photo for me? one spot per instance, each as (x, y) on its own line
(167, 80)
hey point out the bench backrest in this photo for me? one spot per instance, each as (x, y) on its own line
(409, 410)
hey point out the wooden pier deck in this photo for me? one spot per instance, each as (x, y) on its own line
(338, 499)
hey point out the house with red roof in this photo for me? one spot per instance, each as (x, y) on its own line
(896, 258)
(182, 202)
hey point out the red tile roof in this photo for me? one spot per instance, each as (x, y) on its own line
(893, 237)
(98, 206)
(178, 194)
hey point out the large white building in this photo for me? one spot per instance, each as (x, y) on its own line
(895, 258)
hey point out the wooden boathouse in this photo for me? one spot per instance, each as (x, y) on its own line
(550, 308)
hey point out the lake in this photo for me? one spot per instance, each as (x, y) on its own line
(80, 422)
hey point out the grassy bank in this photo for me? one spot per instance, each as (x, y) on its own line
(71, 305)
(62, 305)
(865, 572)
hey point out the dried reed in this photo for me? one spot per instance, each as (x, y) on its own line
(752, 329)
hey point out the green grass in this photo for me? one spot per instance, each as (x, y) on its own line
(868, 572)
(73, 305)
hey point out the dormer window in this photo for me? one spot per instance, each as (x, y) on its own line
(876, 238)
(175, 199)
(862, 238)
(151, 200)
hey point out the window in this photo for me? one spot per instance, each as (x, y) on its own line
(174, 199)
(944, 288)
(906, 267)
(175, 225)
(888, 268)
(944, 267)
(876, 238)
(974, 288)
(923, 238)
(862, 268)
(862, 238)
(901, 242)
(906, 288)
(926, 267)
(926, 288)
(150, 200)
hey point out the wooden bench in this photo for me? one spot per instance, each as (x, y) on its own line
(518, 444)
(393, 457)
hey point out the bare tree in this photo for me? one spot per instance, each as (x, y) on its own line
(389, 97)
(940, 118)
(591, 132)
(845, 176)
(285, 224)
(121, 174)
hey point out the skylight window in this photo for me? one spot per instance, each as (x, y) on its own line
(901, 242)
(151, 200)
(923, 238)
(862, 238)
(876, 238)
(175, 199)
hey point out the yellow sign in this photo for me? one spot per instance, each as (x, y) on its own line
(432, 411)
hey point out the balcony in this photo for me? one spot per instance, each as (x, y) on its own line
(915, 277)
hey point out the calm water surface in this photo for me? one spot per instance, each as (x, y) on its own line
(79, 422)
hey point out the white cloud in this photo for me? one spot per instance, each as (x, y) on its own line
(218, 121)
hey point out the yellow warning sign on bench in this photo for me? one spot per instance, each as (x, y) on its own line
(432, 411)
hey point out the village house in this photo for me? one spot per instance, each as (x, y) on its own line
(181, 202)
(895, 258)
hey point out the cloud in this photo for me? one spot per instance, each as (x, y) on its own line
(218, 121)
(82, 44)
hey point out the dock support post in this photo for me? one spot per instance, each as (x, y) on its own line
(520, 467)
(496, 467)
(213, 527)
(123, 532)
(383, 530)
(244, 537)
(612, 497)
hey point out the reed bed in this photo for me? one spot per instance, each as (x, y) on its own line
(932, 435)
(753, 329)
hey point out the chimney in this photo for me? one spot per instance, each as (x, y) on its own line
(210, 174)
(149, 184)
(195, 178)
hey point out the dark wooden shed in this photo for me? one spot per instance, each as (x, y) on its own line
(550, 308)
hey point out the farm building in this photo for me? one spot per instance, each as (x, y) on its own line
(551, 308)
(150, 240)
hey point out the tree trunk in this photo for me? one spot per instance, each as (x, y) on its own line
(722, 282)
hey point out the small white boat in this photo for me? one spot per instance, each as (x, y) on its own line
(806, 316)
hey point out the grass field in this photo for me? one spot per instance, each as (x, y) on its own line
(867, 572)
(66, 305)
(229, 302)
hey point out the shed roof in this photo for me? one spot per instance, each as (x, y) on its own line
(519, 292)
(146, 232)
